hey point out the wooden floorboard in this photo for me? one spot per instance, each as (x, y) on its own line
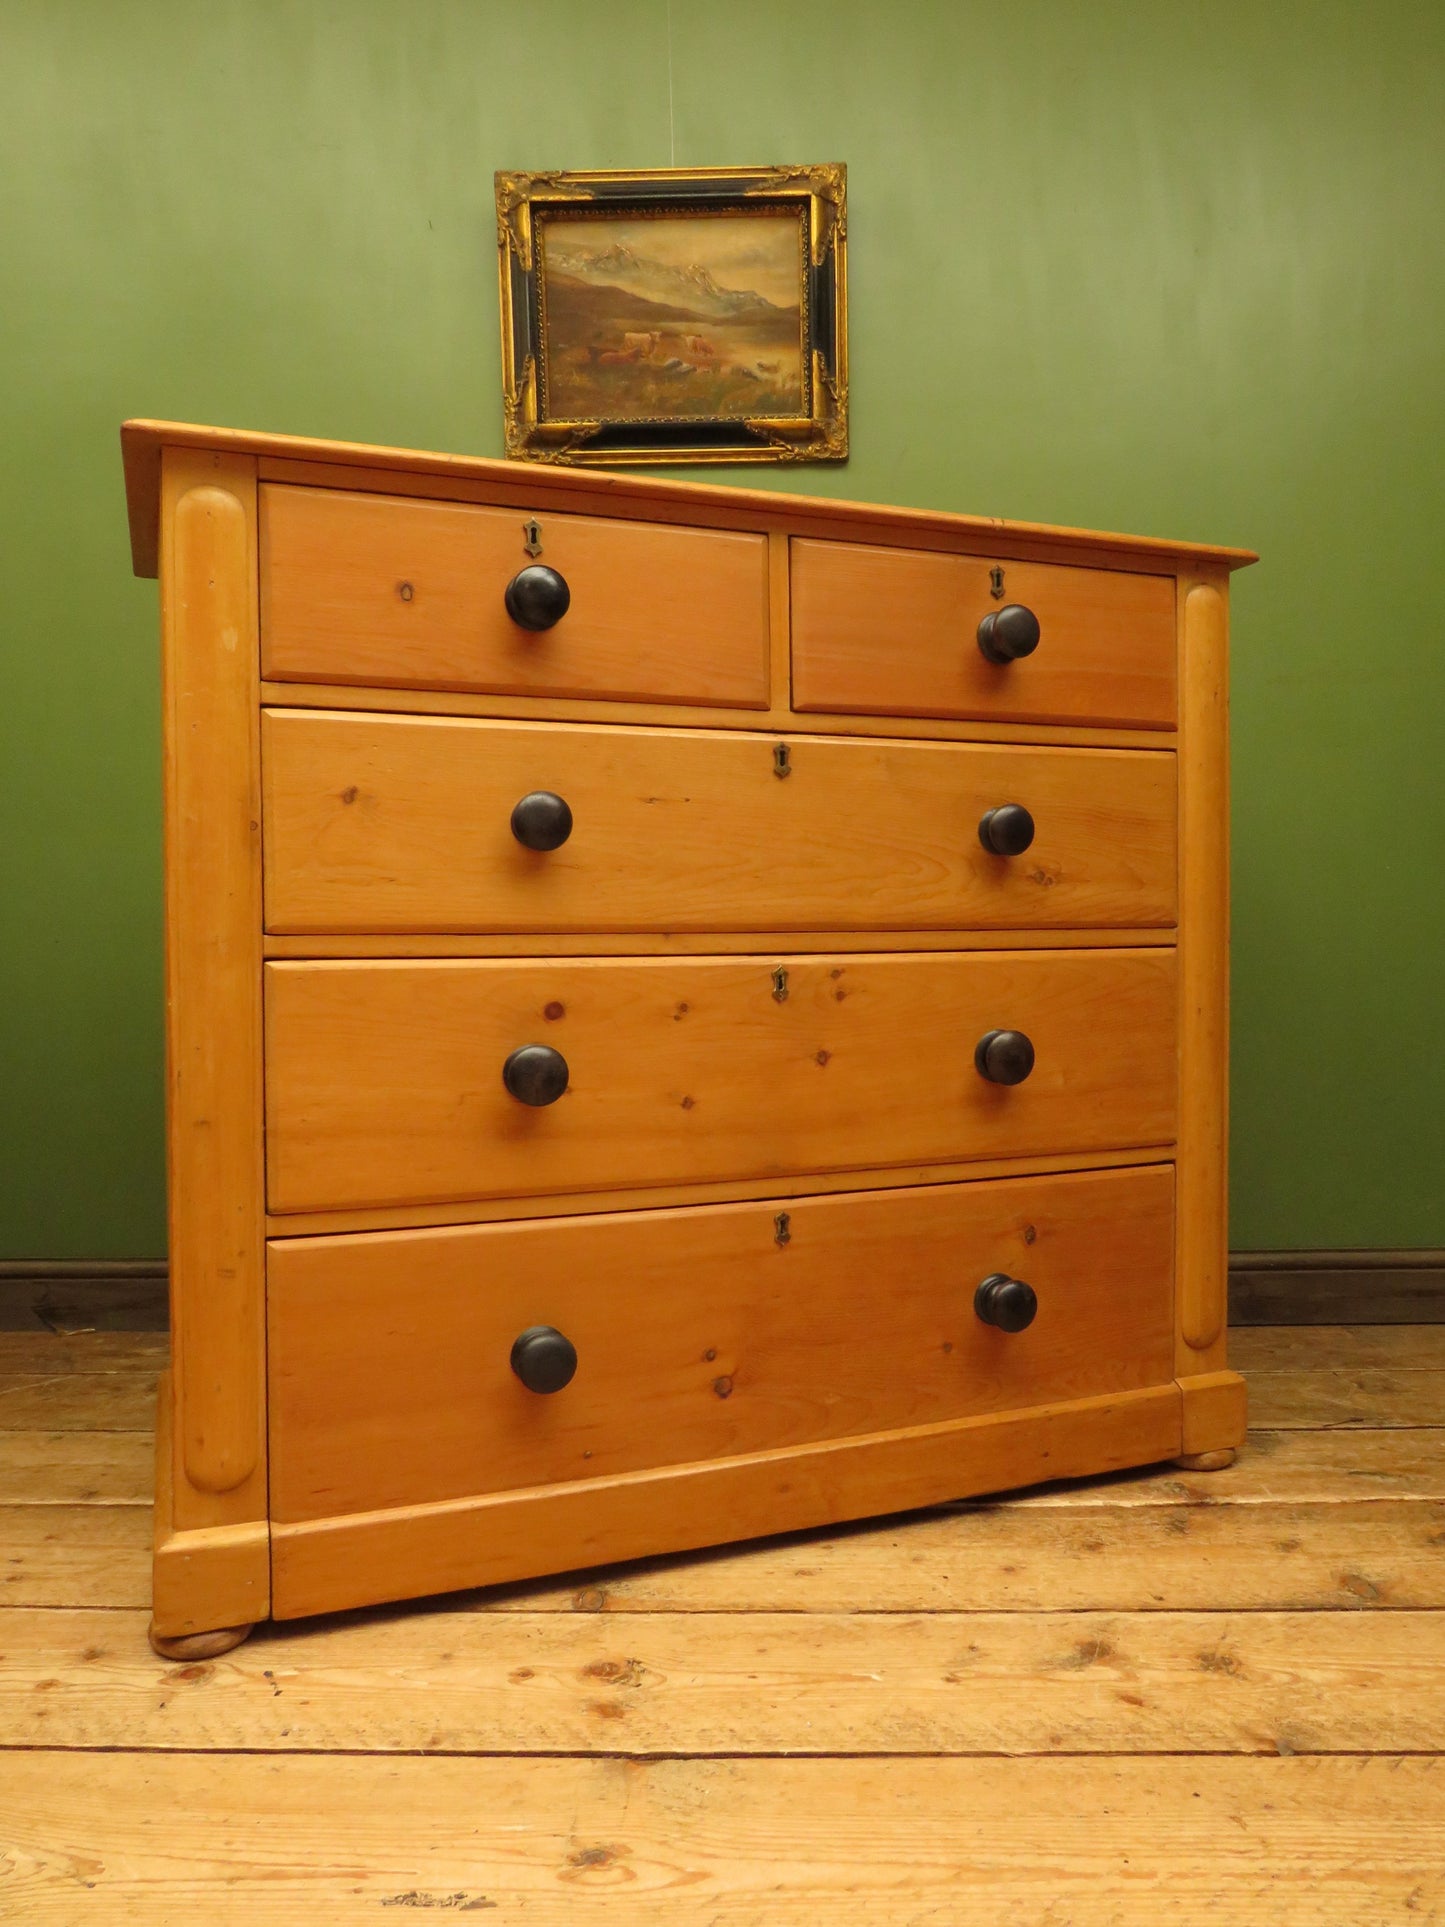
(1325, 1348)
(268, 1842)
(77, 1468)
(1161, 1695)
(989, 1558)
(50, 1352)
(76, 1555)
(749, 1682)
(77, 1402)
(1362, 1400)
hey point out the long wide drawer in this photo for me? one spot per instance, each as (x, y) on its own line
(698, 1334)
(372, 589)
(384, 823)
(894, 632)
(385, 1080)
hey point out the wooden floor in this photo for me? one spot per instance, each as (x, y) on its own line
(1158, 1698)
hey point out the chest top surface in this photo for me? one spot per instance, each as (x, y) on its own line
(622, 494)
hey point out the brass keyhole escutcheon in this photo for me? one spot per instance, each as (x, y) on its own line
(995, 583)
(532, 537)
(782, 760)
(781, 1232)
(780, 985)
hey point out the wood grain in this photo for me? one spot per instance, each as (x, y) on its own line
(383, 823)
(1349, 1398)
(289, 1777)
(1202, 1264)
(76, 1402)
(778, 715)
(1167, 1556)
(780, 661)
(566, 1204)
(403, 823)
(721, 1683)
(1294, 1466)
(212, 1581)
(700, 1336)
(721, 943)
(360, 1558)
(889, 632)
(77, 1468)
(1299, 1467)
(258, 1841)
(372, 589)
(1216, 1412)
(75, 1555)
(688, 1075)
(1330, 1348)
(994, 1556)
(301, 458)
(213, 1003)
(384, 1079)
(729, 507)
(47, 1354)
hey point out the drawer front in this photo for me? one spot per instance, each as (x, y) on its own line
(370, 589)
(384, 1080)
(404, 823)
(698, 1335)
(894, 632)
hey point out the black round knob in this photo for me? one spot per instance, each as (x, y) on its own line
(536, 1074)
(1003, 1056)
(545, 1361)
(1007, 830)
(1006, 1302)
(542, 821)
(1006, 634)
(537, 597)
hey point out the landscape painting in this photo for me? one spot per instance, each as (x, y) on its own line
(675, 316)
(680, 315)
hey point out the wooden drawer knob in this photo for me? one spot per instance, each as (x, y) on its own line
(536, 1074)
(543, 821)
(1006, 1302)
(1006, 634)
(537, 598)
(544, 1360)
(1007, 830)
(1003, 1056)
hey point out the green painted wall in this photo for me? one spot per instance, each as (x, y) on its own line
(1175, 268)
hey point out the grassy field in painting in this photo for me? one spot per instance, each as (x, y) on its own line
(591, 372)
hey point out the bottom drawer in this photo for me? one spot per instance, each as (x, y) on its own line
(700, 1334)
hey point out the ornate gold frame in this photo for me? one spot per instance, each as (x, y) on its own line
(821, 435)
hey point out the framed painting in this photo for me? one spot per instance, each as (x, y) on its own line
(675, 316)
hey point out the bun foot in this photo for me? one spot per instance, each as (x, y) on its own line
(199, 1645)
(1206, 1461)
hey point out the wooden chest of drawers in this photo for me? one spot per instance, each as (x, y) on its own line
(692, 1013)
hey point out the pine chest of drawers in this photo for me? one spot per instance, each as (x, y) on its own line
(692, 1013)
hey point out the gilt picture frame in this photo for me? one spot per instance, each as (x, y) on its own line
(675, 316)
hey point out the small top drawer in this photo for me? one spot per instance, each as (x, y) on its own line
(894, 632)
(374, 589)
